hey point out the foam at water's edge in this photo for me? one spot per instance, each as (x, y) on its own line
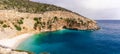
(14, 42)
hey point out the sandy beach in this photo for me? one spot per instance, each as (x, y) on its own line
(14, 42)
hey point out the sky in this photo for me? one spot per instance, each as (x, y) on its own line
(94, 9)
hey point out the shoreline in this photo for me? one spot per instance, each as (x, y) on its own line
(14, 42)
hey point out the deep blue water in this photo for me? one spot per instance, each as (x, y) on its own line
(103, 41)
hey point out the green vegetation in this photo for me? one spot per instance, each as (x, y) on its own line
(17, 24)
(1, 22)
(61, 18)
(5, 26)
(35, 25)
(55, 19)
(18, 27)
(28, 6)
(22, 18)
(20, 21)
(49, 24)
(81, 22)
(38, 23)
(70, 21)
(42, 24)
(36, 19)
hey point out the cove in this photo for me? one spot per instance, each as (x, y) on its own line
(103, 41)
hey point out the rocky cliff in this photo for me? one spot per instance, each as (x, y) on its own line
(24, 16)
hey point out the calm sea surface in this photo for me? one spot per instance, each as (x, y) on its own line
(104, 41)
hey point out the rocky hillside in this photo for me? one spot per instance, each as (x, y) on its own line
(24, 16)
(13, 23)
(28, 6)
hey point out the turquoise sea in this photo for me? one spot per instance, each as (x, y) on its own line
(103, 41)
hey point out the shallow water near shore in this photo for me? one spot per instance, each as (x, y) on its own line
(103, 41)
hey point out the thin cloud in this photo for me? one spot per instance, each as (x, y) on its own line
(94, 9)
